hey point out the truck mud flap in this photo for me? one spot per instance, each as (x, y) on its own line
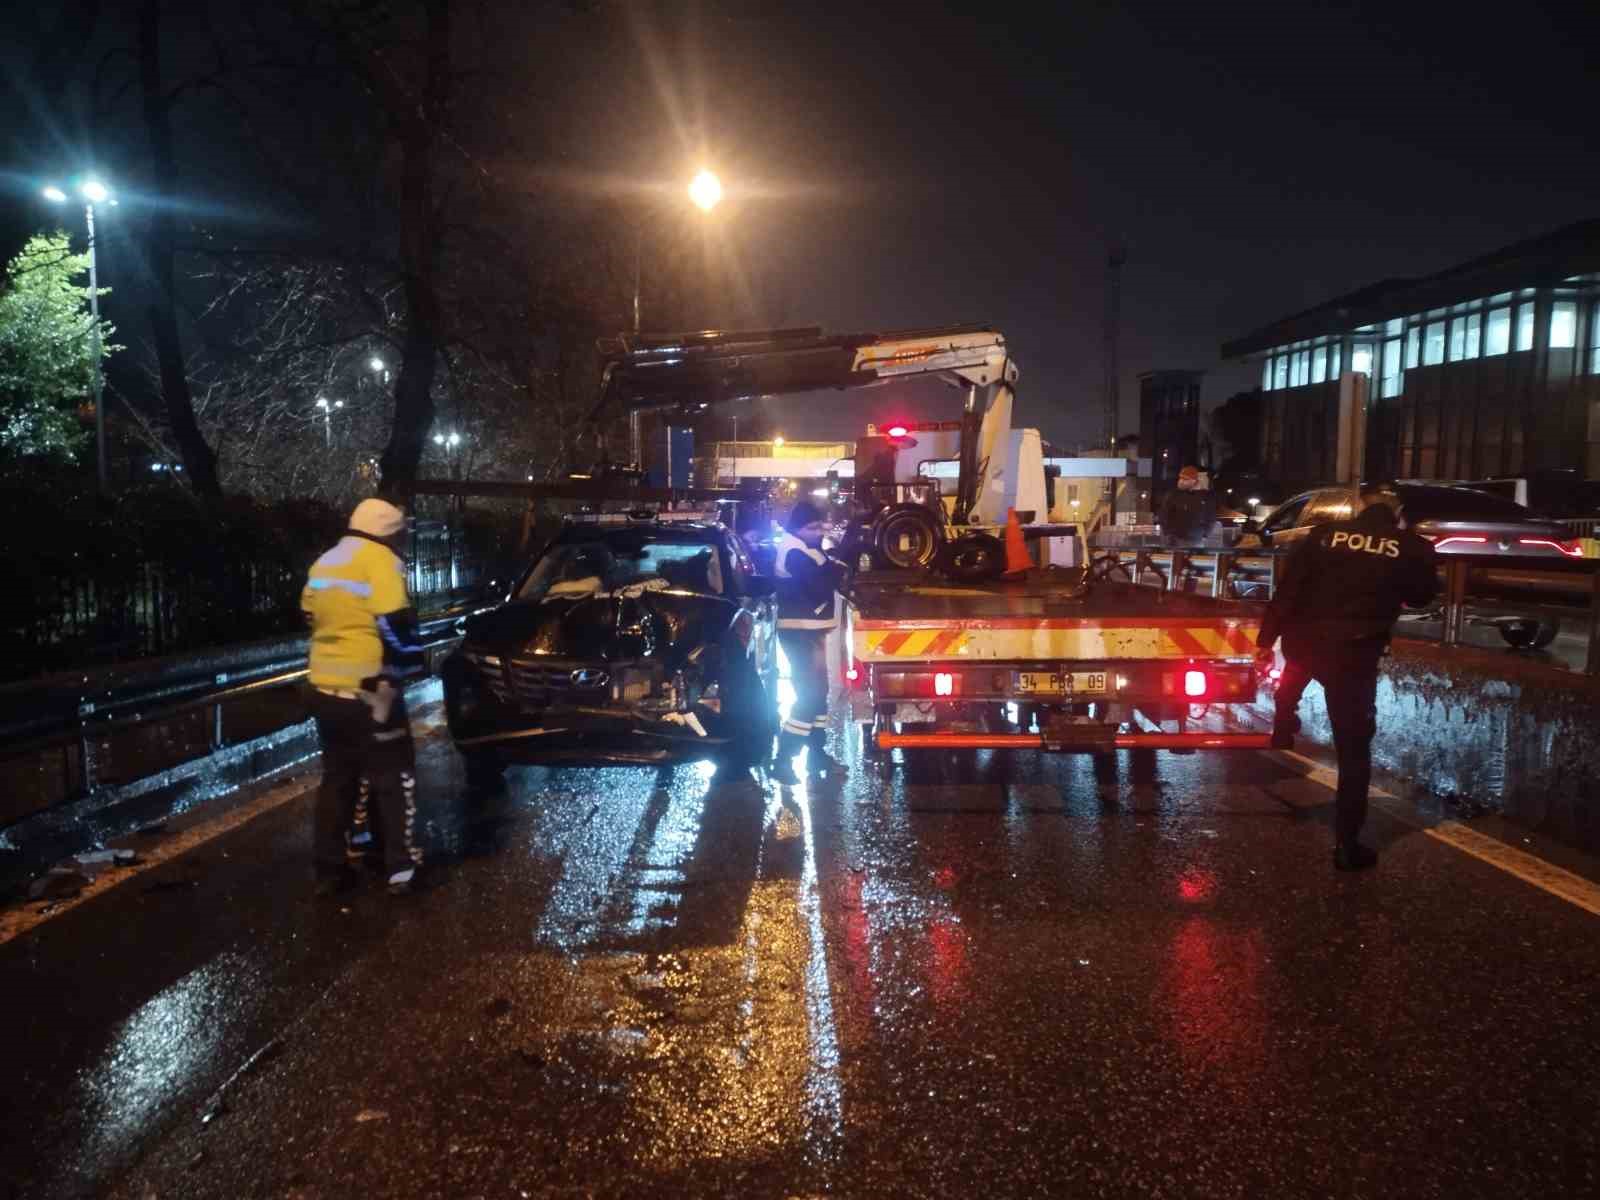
(1071, 742)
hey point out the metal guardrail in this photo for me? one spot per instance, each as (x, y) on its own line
(83, 709)
(1252, 574)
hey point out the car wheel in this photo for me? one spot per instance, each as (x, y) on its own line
(908, 537)
(1528, 634)
(1519, 635)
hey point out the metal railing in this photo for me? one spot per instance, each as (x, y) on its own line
(1252, 574)
(66, 718)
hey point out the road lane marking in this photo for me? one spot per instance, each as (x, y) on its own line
(1574, 889)
(1529, 868)
(27, 915)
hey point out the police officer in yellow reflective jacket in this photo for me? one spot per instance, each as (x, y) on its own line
(808, 581)
(1341, 592)
(364, 645)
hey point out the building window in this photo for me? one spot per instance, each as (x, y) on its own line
(1433, 344)
(1563, 325)
(1266, 374)
(1361, 358)
(1395, 327)
(1413, 346)
(1319, 364)
(1594, 339)
(1335, 352)
(1464, 334)
(1498, 340)
(1524, 327)
(1280, 371)
(1391, 368)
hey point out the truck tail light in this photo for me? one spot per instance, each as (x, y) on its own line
(1195, 683)
(944, 684)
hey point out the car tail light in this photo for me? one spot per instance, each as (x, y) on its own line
(1571, 547)
(1195, 683)
(944, 684)
(1471, 539)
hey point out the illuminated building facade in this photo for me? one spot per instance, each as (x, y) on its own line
(1488, 368)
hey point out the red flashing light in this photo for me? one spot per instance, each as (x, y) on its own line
(1194, 683)
(1275, 674)
(898, 431)
(944, 684)
(853, 674)
(1572, 548)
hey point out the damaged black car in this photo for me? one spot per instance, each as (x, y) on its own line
(628, 641)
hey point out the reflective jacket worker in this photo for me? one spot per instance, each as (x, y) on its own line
(364, 643)
(808, 584)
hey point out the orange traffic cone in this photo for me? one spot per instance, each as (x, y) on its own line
(1017, 560)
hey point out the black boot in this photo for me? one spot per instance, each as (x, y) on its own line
(1353, 856)
(1284, 727)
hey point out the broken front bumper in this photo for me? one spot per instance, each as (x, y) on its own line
(589, 735)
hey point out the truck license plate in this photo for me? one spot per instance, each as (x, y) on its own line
(1062, 683)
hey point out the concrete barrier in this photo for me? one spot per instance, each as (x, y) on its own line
(1505, 730)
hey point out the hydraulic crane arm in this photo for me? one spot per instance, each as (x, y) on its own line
(688, 373)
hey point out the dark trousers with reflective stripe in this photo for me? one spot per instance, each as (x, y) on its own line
(807, 723)
(1348, 673)
(356, 746)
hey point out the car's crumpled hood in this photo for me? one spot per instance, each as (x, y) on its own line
(643, 621)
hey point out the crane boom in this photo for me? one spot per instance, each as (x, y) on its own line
(690, 372)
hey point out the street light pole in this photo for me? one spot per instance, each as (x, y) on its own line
(705, 191)
(93, 192)
(99, 374)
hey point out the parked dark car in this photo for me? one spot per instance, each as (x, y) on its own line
(629, 640)
(1457, 520)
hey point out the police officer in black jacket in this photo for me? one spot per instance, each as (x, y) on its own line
(1335, 607)
(808, 581)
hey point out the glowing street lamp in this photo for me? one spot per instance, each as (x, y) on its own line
(93, 192)
(705, 189)
(778, 440)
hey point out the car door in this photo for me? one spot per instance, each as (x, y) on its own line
(1327, 505)
(1280, 526)
(756, 597)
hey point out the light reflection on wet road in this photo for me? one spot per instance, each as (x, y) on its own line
(1026, 975)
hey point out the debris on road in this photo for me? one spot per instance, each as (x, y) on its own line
(106, 858)
(371, 1114)
(59, 883)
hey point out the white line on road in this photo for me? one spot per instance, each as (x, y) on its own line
(1529, 868)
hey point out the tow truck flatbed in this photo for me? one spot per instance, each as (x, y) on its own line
(933, 665)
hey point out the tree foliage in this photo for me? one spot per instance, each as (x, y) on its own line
(46, 350)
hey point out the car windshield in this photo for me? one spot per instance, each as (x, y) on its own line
(607, 564)
(1458, 504)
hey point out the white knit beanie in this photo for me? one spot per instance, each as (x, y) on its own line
(377, 518)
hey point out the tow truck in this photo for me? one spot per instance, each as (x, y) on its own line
(1044, 657)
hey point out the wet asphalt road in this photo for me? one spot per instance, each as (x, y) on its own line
(1019, 976)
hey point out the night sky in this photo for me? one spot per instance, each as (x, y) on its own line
(893, 165)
